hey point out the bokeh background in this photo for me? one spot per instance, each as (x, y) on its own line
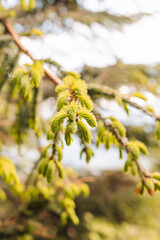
(114, 42)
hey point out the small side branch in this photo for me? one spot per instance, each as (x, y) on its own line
(106, 91)
(123, 141)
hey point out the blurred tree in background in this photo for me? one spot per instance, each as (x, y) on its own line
(44, 201)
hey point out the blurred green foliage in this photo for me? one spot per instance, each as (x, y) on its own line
(112, 211)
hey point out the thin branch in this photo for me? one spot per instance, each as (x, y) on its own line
(56, 80)
(30, 176)
(123, 141)
(109, 92)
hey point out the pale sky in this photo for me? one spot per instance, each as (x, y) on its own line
(139, 43)
(127, 7)
(97, 46)
(116, 6)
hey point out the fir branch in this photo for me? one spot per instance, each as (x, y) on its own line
(92, 88)
(98, 89)
(123, 141)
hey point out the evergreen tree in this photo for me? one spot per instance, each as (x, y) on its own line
(50, 188)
